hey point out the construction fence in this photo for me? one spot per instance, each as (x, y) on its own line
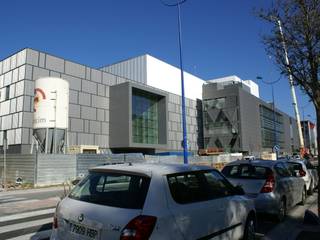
(54, 169)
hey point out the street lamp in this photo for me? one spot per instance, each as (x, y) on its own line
(274, 112)
(184, 126)
(293, 92)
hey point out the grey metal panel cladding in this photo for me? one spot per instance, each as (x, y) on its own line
(64, 168)
(119, 115)
(250, 122)
(19, 165)
(287, 137)
(134, 69)
(87, 161)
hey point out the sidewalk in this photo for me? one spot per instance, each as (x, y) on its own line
(31, 190)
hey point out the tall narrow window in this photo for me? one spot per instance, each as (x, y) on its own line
(7, 93)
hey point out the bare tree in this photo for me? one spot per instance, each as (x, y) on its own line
(300, 20)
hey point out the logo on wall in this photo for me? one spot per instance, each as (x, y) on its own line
(39, 96)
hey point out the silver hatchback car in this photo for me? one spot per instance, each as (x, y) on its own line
(270, 183)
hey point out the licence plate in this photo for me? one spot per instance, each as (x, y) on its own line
(86, 232)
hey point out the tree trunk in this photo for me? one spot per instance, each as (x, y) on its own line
(318, 143)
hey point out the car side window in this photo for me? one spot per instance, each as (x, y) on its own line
(282, 170)
(186, 187)
(198, 186)
(216, 185)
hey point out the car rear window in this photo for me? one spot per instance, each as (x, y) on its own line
(246, 171)
(112, 189)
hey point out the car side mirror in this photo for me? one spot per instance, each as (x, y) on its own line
(238, 190)
(75, 181)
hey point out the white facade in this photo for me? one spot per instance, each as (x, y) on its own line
(158, 74)
(168, 78)
(253, 87)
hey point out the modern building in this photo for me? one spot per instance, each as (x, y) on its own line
(135, 106)
(237, 120)
(309, 132)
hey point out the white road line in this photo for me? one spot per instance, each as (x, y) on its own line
(11, 200)
(34, 236)
(5, 197)
(20, 226)
(26, 214)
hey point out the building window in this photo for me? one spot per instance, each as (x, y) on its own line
(271, 127)
(145, 119)
(7, 93)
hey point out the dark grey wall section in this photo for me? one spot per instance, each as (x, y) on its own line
(249, 122)
(119, 115)
(249, 118)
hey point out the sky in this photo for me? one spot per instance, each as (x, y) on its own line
(219, 38)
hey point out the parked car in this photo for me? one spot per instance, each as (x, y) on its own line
(162, 201)
(269, 183)
(304, 169)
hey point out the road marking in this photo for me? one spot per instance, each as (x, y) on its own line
(26, 214)
(21, 226)
(11, 200)
(34, 236)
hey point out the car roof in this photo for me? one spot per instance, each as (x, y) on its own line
(256, 162)
(149, 169)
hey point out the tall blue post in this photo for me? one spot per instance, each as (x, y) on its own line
(184, 126)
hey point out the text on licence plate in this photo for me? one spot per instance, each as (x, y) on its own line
(90, 233)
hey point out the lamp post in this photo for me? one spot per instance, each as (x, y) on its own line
(293, 92)
(184, 126)
(273, 110)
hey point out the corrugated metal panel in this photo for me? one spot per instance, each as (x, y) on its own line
(87, 161)
(18, 166)
(55, 168)
(134, 69)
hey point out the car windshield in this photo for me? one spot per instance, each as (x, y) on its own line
(247, 171)
(112, 189)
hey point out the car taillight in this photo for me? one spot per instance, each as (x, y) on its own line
(55, 221)
(139, 228)
(302, 173)
(268, 185)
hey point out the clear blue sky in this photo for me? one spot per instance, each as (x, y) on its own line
(220, 38)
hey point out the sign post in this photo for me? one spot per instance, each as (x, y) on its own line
(276, 149)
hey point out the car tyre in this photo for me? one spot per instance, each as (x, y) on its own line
(303, 197)
(282, 212)
(250, 228)
(310, 191)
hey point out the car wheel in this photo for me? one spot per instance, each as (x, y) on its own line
(250, 229)
(303, 197)
(282, 212)
(310, 191)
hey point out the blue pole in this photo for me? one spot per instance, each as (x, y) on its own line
(185, 144)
